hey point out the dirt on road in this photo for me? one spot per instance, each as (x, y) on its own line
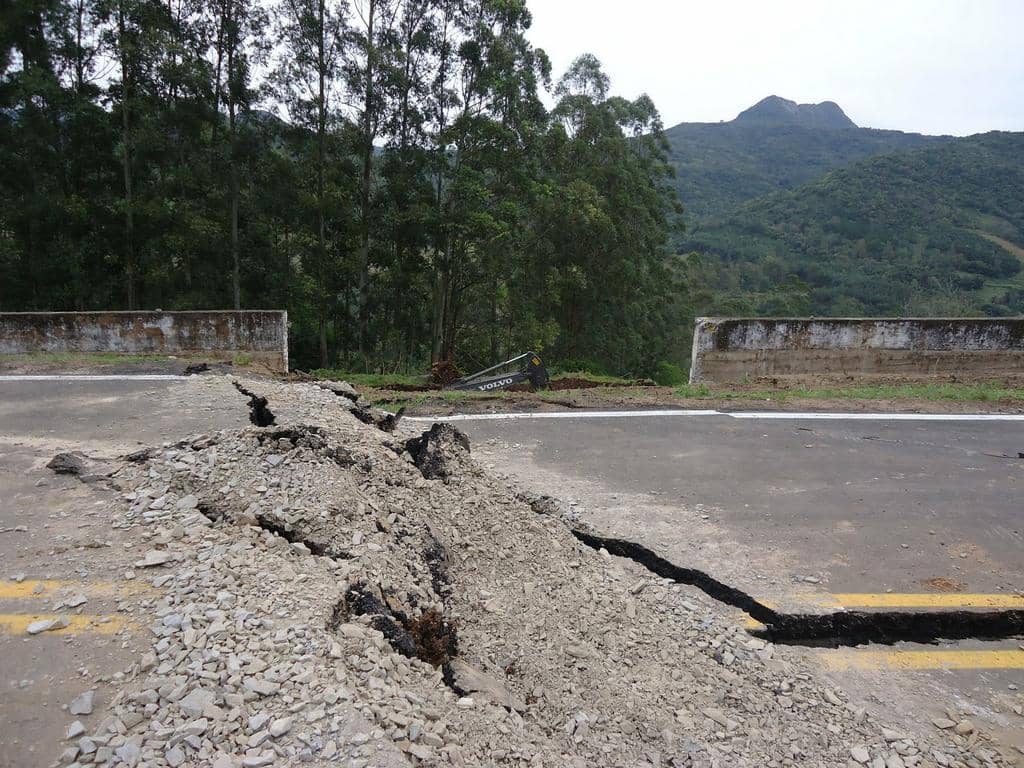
(326, 592)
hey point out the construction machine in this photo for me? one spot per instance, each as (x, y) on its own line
(488, 379)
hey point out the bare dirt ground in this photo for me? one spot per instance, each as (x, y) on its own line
(107, 365)
(610, 398)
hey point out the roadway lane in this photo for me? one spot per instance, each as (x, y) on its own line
(788, 508)
(60, 555)
(815, 515)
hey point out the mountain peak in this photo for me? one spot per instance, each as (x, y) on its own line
(776, 110)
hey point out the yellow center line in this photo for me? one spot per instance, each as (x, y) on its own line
(33, 588)
(911, 660)
(18, 623)
(923, 600)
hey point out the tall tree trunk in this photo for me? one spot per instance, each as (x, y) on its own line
(364, 191)
(494, 319)
(323, 335)
(217, 79)
(236, 279)
(321, 131)
(126, 156)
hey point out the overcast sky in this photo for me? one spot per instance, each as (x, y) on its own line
(933, 66)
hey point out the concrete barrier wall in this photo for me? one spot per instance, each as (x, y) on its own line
(730, 349)
(260, 334)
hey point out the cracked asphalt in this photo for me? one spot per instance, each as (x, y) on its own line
(813, 516)
(806, 515)
(55, 543)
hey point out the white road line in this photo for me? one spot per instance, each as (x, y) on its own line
(879, 416)
(89, 377)
(777, 415)
(560, 415)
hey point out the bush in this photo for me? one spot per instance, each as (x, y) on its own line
(577, 365)
(669, 375)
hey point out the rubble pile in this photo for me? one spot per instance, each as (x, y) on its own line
(330, 593)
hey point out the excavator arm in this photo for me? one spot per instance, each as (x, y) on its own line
(530, 369)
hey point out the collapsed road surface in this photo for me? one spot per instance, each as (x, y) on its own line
(909, 528)
(320, 591)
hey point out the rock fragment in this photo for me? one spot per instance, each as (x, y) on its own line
(82, 704)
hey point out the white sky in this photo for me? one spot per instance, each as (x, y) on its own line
(932, 66)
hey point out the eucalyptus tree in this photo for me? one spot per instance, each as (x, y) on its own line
(240, 45)
(308, 80)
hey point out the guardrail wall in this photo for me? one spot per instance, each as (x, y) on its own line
(260, 334)
(731, 349)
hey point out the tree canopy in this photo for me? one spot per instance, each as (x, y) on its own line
(384, 169)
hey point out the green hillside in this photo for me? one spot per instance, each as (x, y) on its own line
(932, 231)
(774, 145)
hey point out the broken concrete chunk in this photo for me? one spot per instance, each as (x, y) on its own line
(377, 417)
(438, 452)
(82, 705)
(77, 463)
(260, 686)
(153, 558)
(45, 625)
(196, 701)
(75, 730)
(280, 727)
(185, 503)
(860, 754)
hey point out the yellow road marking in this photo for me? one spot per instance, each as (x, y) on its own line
(30, 588)
(17, 623)
(927, 600)
(867, 660)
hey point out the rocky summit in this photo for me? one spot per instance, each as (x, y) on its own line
(775, 110)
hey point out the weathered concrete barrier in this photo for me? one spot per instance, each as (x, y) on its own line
(262, 335)
(730, 349)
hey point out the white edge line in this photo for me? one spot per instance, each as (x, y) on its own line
(96, 377)
(879, 416)
(777, 415)
(559, 415)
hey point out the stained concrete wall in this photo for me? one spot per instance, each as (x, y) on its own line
(260, 334)
(730, 349)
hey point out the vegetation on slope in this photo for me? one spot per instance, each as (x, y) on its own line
(936, 231)
(418, 203)
(769, 148)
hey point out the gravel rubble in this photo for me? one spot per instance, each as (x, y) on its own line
(317, 600)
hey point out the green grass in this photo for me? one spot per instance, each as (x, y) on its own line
(985, 392)
(80, 357)
(596, 377)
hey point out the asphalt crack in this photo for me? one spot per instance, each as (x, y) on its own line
(428, 636)
(259, 409)
(829, 630)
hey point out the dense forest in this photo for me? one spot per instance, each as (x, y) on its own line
(384, 169)
(935, 231)
(409, 180)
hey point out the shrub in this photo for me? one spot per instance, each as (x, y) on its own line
(669, 374)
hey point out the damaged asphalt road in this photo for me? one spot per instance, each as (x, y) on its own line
(322, 592)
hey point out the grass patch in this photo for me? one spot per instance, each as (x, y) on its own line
(992, 391)
(375, 380)
(588, 376)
